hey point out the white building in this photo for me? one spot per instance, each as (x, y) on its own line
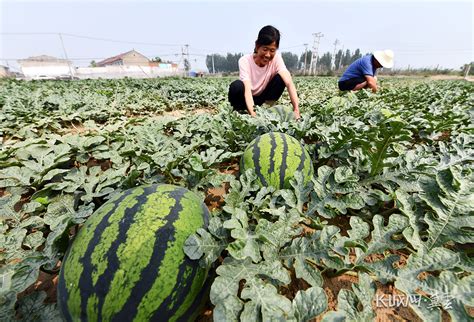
(129, 64)
(4, 71)
(46, 67)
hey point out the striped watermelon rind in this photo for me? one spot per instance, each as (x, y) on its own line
(285, 112)
(275, 157)
(127, 261)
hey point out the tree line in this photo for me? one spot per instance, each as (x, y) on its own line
(326, 62)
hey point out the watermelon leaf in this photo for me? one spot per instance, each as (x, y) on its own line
(348, 302)
(32, 307)
(232, 272)
(382, 236)
(264, 300)
(309, 303)
(306, 253)
(332, 197)
(202, 243)
(451, 199)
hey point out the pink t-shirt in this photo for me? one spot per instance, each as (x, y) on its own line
(259, 76)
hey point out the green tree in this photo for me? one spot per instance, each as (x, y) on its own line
(218, 62)
(233, 62)
(308, 60)
(291, 60)
(224, 64)
(209, 64)
(93, 63)
(346, 59)
(324, 62)
(356, 55)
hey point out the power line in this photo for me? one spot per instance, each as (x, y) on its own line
(91, 38)
(122, 41)
(206, 50)
(27, 33)
(295, 46)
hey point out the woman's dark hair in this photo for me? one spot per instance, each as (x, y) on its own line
(267, 35)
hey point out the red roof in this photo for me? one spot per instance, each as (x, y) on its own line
(113, 59)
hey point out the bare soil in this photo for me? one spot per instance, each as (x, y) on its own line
(452, 77)
(45, 282)
(181, 113)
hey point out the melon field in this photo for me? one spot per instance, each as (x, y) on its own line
(378, 225)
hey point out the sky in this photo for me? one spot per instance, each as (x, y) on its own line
(421, 33)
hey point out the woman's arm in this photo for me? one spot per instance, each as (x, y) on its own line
(286, 76)
(248, 97)
(244, 75)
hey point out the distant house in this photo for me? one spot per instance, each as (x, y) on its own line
(130, 58)
(46, 67)
(130, 64)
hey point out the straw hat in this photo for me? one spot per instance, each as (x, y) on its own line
(384, 57)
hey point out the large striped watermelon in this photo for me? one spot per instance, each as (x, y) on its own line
(127, 261)
(275, 158)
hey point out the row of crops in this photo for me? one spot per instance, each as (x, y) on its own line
(391, 202)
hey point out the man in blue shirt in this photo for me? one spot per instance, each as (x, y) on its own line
(362, 73)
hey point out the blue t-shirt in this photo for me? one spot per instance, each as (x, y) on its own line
(361, 67)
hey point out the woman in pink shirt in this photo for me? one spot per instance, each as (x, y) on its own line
(262, 75)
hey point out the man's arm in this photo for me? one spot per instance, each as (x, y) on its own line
(248, 97)
(371, 83)
(286, 77)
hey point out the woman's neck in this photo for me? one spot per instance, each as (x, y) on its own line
(257, 61)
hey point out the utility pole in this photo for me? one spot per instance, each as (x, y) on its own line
(185, 57)
(305, 54)
(333, 58)
(340, 58)
(466, 70)
(314, 57)
(65, 55)
(213, 70)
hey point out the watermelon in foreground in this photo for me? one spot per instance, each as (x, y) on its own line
(127, 261)
(275, 158)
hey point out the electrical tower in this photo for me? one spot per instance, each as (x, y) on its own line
(314, 57)
(185, 57)
(333, 58)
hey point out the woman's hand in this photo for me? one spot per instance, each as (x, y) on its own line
(297, 114)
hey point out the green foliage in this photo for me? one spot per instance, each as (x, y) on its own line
(350, 301)
(223, 64)
(290, 59)
(393, 185)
